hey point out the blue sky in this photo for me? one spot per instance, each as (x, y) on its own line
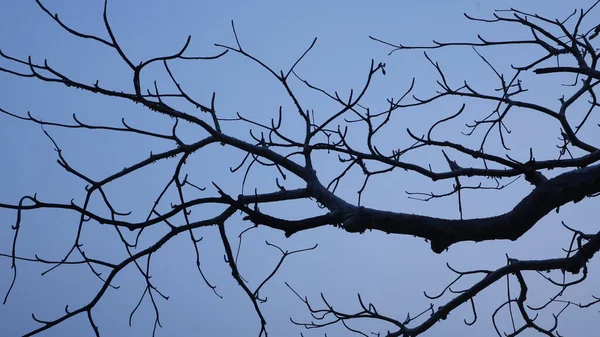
(390, 271)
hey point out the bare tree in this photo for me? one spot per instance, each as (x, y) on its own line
(563, 48)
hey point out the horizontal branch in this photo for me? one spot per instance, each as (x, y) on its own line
(553, 193)
(577, 70)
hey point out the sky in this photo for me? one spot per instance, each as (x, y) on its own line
(390, 271)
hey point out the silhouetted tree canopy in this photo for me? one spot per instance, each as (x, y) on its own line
(297, 169)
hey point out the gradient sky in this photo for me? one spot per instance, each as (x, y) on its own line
(390, 271)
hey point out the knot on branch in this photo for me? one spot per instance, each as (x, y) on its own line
(358, 221)
(438, 246)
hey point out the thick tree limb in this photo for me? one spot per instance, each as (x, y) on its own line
(553, 193)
